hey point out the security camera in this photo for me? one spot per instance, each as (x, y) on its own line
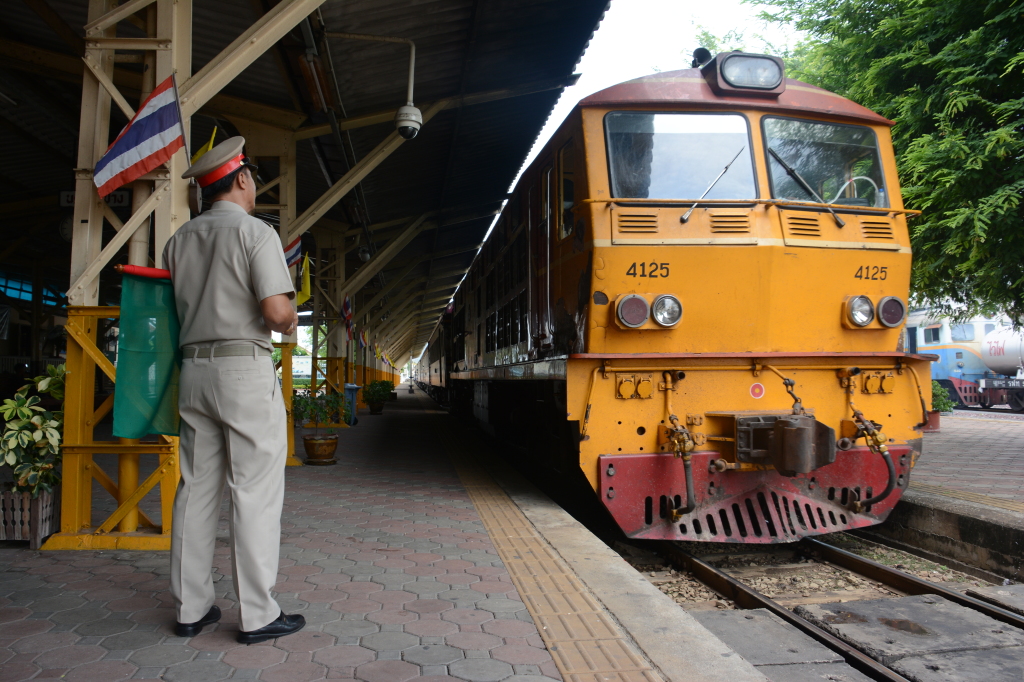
(408, 120)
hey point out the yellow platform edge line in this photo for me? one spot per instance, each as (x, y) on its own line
(1009, 505)
(588, 656)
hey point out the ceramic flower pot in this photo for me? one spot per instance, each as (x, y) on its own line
(320, 449)
(376, 408)
(933, 423)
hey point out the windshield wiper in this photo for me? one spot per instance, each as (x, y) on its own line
(804, 186)
(686, 216)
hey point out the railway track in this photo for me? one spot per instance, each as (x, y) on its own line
(810, 610)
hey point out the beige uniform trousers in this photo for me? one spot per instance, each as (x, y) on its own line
(233, 430)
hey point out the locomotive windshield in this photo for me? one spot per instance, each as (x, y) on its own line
(678, 155)
(828, 162)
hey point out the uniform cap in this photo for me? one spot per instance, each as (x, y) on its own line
(220, 161)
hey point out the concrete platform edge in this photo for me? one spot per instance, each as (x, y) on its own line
(679, 647)
(984, 537)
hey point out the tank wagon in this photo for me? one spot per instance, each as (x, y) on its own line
(980, 361)
(693, 302)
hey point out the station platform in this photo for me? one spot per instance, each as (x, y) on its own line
(965, 503)
(409, 559)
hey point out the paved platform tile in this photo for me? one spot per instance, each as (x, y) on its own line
(379, 553)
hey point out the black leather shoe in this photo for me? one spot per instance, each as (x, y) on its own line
(193, 629)
(284, 625)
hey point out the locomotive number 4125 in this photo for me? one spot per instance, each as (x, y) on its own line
(651, 269)
(872, 272)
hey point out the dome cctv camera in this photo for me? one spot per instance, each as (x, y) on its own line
(408, 120)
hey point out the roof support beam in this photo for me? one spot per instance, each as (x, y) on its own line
(31, 59)
(115, 15)
(246, 48)
(381, 258)
(409, 268)
(352, 178)
(387, 116)
(109, 86)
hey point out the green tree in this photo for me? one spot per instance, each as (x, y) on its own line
(950, 73)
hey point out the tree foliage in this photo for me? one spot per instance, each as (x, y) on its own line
(950, 73)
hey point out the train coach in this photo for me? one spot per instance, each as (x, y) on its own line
(980, 360)
(693, 303)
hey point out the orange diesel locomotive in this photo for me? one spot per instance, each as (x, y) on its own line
(695, 298)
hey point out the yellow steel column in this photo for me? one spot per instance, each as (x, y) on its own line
(286, 392)
(76, 486)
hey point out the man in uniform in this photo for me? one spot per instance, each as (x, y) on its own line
(232, 288)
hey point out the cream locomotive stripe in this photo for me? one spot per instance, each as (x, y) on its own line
(586, 645)
(969, 497)
(757, 241)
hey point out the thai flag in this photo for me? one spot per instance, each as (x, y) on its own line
(148, 141)
(346, 309)
(293, 252)
(363, 343)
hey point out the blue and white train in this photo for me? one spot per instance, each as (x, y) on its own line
(981, 360)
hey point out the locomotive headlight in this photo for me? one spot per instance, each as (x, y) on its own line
(891, 311)
(633, 310)
(860, 310)
(752, 71)
(667, 310)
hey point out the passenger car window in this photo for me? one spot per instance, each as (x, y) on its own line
(931, 335)
(962, 332)
(678, 155)
(839, 162)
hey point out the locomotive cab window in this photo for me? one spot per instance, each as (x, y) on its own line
(566, 188)
(824, 163)
(679, 155)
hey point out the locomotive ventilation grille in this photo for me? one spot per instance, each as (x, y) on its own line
(802, 225)
(638, 222)
(876, 229)
(761, 516)
(730, 223)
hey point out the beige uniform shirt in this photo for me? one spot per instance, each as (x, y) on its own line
(223, 263)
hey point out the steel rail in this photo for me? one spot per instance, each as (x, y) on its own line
(748, 598)
(906, 583)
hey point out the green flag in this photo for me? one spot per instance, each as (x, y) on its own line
(148, 360)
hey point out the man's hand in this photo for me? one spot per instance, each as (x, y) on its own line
(279, 315)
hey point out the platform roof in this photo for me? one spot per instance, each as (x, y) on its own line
(518, 54)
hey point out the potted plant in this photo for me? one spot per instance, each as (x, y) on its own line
(319, 410)
(376, 394)
(941, 404)
(31, 446)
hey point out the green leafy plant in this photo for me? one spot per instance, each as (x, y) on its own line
(31, 441)
(951, 74)
(319, 409)
(378, 392)
(941, 401)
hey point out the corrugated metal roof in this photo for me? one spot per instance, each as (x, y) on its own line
(464, 157)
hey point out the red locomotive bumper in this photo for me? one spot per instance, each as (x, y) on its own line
(747, 506)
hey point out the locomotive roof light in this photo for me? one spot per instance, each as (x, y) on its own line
(667, 310)
(892, 311)
(752, 71)
(860, 310)
(633, 311)
(738, 73)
